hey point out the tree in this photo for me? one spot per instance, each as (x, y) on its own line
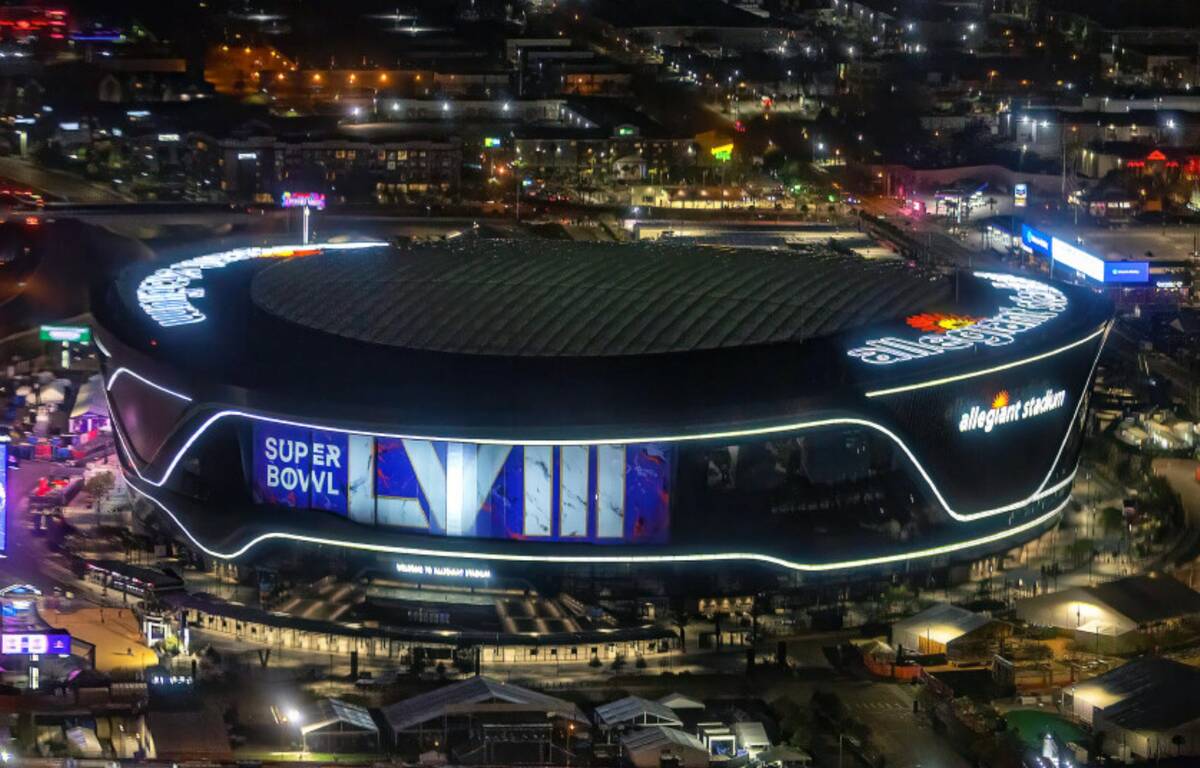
(680, 617)
(100, 484)
(1111, 519)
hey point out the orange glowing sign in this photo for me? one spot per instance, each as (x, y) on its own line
(938, 322)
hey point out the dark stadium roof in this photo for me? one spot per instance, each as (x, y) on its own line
(543, 338)
(576, 299)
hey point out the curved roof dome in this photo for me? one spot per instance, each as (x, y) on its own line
(514, 298)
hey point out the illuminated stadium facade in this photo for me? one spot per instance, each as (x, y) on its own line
(508, 405)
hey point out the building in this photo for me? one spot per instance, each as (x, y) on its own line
(482, 720)
(659, 745)
(623, 408)
(1147, 709)
(1118, 615)
(332, 725)
(347, 170)
(413, 640)
(633, 712)
(948, 629)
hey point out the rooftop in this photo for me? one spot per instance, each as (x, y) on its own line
(329, 711)
(942, 622)
(633, 708)
(504, 298)
(658, 737)
(1146, 694)
(476, 694)
(1148, 599)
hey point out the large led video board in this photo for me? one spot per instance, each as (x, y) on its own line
(589, 494)
(3, 497)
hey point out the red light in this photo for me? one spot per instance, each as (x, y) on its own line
(1156, 155)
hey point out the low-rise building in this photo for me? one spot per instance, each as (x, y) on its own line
(1146, 709)
(333, 725)
(1119, 615)
(659, 745)
(948, 629)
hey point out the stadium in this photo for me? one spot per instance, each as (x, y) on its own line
(488, 406)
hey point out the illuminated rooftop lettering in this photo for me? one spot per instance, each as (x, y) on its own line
(1032, 304)
(166, 293)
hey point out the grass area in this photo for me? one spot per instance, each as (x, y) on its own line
(348, 758)
(1032, 724)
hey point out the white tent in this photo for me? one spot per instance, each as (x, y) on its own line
(647, 747)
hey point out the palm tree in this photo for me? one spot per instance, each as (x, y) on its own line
(680, 618)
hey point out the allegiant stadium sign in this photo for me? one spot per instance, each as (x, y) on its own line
(1031, 305)
(1007, 411)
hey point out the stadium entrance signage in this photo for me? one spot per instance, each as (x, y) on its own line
(443, 571)
(1006, 411)
(1031, 305)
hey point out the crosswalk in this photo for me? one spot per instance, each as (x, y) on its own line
(877, 707)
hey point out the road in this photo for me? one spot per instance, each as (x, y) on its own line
(27, 558)
(58, 184)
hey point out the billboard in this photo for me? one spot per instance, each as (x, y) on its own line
(35, 643)
(1077, 259)
(76, 334)
(303, 200)
(1035, 240)
(1020, 195)
(1126, 272)
(3, 496)
(572, 493)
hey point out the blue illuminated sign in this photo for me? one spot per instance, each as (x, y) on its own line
(1036, 240)
(1126, 272)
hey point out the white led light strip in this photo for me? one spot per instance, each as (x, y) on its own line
(711, 557)
(126, 372)
(986, 371)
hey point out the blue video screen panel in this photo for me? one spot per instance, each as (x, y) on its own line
(601, 494)
(300, 468)
(1126, 272)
